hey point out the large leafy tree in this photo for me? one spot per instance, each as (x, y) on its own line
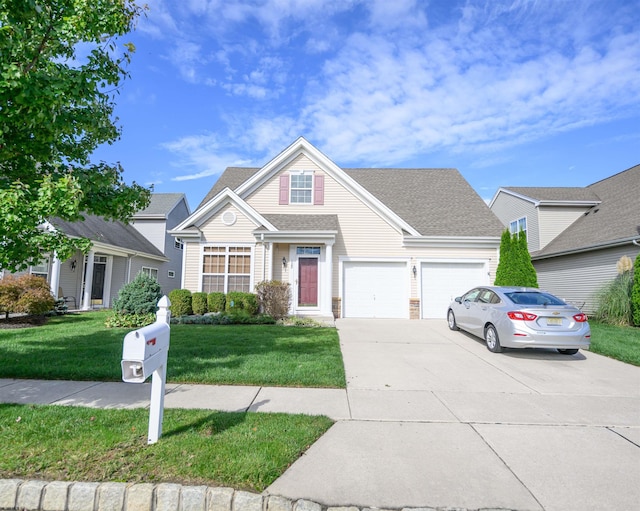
(60, 69)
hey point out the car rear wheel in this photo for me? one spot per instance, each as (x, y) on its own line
(491, 337)
(451, 320)
(568, 352)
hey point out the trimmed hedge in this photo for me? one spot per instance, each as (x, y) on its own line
(199, 303)
(239, 301)
(216, 301)
(180, 302)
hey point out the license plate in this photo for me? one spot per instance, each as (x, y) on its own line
(554, 321)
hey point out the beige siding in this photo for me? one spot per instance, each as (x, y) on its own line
(576, 278)
(509, 208)
(215, 231)
(555, 219)
(192, 266)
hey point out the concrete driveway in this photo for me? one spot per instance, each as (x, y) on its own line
(439, 421)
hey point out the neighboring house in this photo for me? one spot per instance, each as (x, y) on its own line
(118, 254)
(576, 235)
(385, 243)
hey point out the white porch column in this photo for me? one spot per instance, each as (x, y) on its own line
(88, 282)
(326, 306)
(55, 275)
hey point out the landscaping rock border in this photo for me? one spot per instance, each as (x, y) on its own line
(23, 495)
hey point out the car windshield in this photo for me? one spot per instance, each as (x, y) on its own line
(533, 298)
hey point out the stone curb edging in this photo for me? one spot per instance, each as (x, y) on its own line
(33, 495)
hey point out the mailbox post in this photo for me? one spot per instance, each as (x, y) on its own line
(144, 354)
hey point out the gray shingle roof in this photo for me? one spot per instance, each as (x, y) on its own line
(231, 178)
(304, 222)
(435, 202)
(555, 193)
(116, 234)
(160, 204)
(617, 218)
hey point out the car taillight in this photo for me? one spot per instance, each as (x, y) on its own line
(580, 318)
(521, 316)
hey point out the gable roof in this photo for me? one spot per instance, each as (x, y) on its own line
(420, 202)
(436, 202)
(160, 205)
(115, 234)
(614, 221)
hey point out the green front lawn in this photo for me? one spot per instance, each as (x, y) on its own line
(619, 342)
(79, 347)
(240, 450)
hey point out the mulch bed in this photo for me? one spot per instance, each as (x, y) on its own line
(22, 321)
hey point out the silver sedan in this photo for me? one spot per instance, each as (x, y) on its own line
(516, 317)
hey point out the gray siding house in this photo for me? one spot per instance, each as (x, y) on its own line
(576, 235)
(118, 254)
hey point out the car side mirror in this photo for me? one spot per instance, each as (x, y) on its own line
(458, 299)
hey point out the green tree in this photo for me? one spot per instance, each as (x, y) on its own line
(635, 293)
(515, 267)
(56, 108)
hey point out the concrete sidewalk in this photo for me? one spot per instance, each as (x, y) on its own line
(330, 402)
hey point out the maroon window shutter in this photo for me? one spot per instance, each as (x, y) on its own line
(318, 190)
(284, 189)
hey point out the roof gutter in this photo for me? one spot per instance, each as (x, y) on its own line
(586, 249)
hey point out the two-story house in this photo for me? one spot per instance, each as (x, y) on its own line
(384, 243)
(576, 235)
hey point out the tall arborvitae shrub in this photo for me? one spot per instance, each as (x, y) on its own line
(527, 273)
(515, 267)
(503, 275)
(635, 293)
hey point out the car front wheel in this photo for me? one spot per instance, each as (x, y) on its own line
(568, 352)
(451, 320)
(491, 337)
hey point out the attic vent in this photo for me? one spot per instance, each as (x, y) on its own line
(228, 218)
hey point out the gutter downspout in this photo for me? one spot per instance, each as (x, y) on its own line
(264, 257)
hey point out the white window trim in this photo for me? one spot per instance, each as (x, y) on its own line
(149, 270)
(311, 188)
(518, 229)
(226, 246)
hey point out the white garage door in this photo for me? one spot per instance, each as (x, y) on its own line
(375, 290)
(442, 282)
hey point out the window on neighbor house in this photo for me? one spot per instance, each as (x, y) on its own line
(178, 244)
(226, 269)
(152, 272)
(41, 269)
(518, 225)
(301, 188)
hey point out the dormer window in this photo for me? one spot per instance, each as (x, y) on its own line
(301, 188)
(518, 225)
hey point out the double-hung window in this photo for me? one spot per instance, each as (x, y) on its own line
(518, 225)
(301, 188)
(226, 268)
(151, 272)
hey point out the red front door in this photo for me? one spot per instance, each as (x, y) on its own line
(308, 281)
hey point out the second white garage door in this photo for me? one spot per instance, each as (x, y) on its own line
(375, 290)
(442, 282)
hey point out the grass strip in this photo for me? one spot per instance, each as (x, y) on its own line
(619, 342)
(240, 450)
(80, 347)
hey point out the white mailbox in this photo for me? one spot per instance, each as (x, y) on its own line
(143, 351)
(144, 354)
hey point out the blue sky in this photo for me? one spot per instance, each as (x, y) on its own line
(511, 93)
